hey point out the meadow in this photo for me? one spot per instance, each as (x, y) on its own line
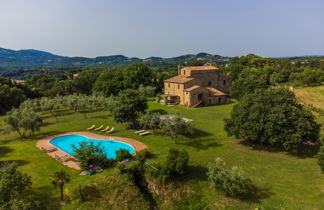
(282, 180)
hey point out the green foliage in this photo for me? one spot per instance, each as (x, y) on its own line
(232, 182)
(248, 81)
(90, 153)
(23, 120)
(10, 97)
(147, 91)
(175, 126)
(143, 155)
(190, 201)
(123, 154)
(175, 165)
(272, 116)
(134, 172)
(129, 105)
(13, 183)
(59, 179)
(150, 121)
(320, 158)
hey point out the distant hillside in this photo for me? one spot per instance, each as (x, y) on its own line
(16, 58)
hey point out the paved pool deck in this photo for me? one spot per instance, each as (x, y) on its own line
(61, 156)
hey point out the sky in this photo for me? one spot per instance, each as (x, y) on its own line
(165, 28)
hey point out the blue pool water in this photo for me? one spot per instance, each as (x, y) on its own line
(110, 146)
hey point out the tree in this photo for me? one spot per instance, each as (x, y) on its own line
(232, 182)
(150, 120)
(23, 120)
(59, 179)
(175, 126)
(10, 97)
(272, 116)
(90, 153)
(175, 165)
(13, 183)
(248, 81)
(320, 158)
(128, 105)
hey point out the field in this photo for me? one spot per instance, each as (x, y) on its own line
(284, 181)
(311, 95)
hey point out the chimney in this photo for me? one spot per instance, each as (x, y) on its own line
(179, 69)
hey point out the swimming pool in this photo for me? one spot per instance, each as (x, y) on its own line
(110, 146)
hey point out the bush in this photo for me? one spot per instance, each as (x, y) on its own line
(143, 155)
(232, 182)
(175, 165)
(134, 173)
(123, 154)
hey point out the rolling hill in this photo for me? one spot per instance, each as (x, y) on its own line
(16, 58)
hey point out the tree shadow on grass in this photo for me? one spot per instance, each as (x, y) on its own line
(159, 111)
(196, 172)
(19, 162)
(201, 144)
(197, 133)
(4, 150)
(256, 194)
(306, 151)
(41, 135)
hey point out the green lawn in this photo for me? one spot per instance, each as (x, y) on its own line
(282, 180)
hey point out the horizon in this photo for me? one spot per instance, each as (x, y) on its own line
(164, 29)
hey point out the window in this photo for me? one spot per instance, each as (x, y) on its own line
(168, 84)
(209, 83)
(187, 92)
(184, 72)
(178, 86)
(224, 82)
(219, 100)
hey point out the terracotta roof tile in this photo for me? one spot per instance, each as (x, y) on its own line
(216, 92)
(193, 68)
(193, 88)
(179, 79)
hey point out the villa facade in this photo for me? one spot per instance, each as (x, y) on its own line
(197, 85)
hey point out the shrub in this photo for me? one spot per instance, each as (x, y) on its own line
(134, 173)
(175, 165)
(143, 155)
(123, 154)
(232, 182)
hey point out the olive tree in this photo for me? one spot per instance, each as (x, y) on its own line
(23, 120)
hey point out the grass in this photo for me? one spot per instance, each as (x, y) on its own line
(311, 95)
(282, 179)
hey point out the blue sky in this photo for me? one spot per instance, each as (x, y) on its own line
(166, 28)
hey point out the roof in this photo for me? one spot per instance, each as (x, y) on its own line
(216, 92)
(193, 88)
(179, 79)
(194, 68)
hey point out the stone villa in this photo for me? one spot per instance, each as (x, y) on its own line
(197, 85)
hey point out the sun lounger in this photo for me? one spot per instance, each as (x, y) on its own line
(111, 130)
(144, 133)
(100, 127)
(92, 127)
(138, 132)
(106, 129)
